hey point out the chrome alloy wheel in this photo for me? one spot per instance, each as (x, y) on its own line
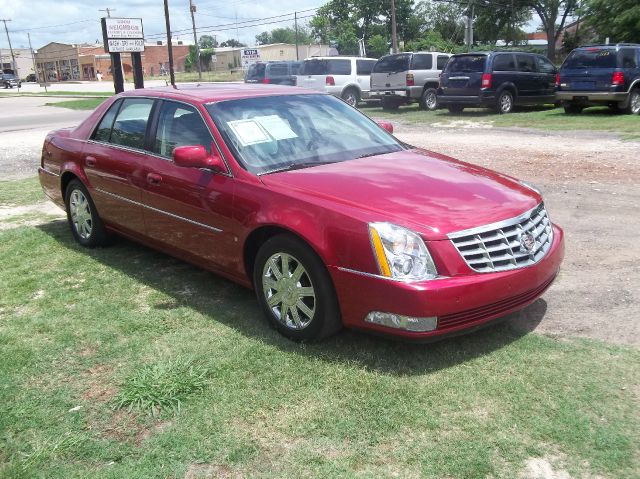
(635, 102)
(288, 290)
(80, 214)
(506, 103)
(351, 98)
(431, 100)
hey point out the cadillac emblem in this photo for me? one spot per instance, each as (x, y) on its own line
(527, 243)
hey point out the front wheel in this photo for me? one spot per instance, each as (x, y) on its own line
(295, 290)
(85, 224)
(429, 99)
(504, 103)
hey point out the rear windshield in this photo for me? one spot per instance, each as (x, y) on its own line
(256, 71)
(325, 67)
(466, 64)
(392, 63)
(591, 58)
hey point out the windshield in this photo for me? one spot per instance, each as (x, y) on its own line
(392, 63)
(466, 64)
(293, 131)
(592, 58)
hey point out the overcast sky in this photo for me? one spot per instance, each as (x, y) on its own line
(79, 21)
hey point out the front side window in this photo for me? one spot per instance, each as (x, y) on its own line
(274, 133)
(545, 66)
(180, 125)
(422, 62)
(103, 131)
(131, 123)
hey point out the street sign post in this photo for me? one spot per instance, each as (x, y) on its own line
(124, 35)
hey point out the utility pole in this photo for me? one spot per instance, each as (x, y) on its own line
(33, 58)
(192, 9)
(394, 36)
(13, 57)
(108, 10)
(295, 17)
(172, 74)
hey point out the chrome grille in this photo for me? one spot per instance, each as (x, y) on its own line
(499, 246)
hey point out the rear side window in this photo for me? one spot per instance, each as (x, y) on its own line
(591, 58)
(339, 67)
(422, 62)
(131, 123)
(392, 64)
(442, 61)
(313, 67)
(544, 65)
(364, 67)
(526, 63)
(504, 63)
(278, 70)
(628, 58)
(103, 132)
(466, 64)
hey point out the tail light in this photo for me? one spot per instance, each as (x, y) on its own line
(486, 80)
(265, 80)
(329, 81)
(617, 78)
(410, 80)
(558, 80)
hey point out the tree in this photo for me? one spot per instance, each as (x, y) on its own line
(619, 20)
(284, 35)
(232, 42)
(377, 46)
(207, 41)
(444, 18)
(500, 21)
(432, 40)
(549, 11)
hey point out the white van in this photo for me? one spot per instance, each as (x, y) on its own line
(344, 77)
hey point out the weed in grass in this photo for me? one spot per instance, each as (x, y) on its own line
(162, 385)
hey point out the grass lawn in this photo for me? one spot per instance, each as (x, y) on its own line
(596, 118)
(81, 104)
(21, 192)
(123, 362)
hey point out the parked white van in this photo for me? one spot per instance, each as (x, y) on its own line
(344, 77)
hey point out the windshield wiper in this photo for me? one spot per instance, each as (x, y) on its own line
(367, 155)
(298, 166)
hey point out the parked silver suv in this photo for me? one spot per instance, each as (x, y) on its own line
(403, 78)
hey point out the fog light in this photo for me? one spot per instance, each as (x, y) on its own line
(398, 321)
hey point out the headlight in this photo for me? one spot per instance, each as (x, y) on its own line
(401, 253)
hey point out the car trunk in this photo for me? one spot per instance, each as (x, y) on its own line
(463, 75)
(588, 70)
(390, 72)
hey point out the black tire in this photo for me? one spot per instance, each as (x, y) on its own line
(504, 102)
(455, 109)
(86, 226)
(351, 96)
(390, 103)
(572, 109)
(633, 107)
(295, 298)
(429, 99)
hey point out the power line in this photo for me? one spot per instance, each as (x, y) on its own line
(52, 26)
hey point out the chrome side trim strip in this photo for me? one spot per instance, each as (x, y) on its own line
(122, 198)
(378, 276)
(494, 226)
(44, 170)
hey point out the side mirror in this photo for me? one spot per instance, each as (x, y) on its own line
(386, 125)
(198, 157)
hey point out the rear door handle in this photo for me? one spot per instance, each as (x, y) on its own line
(154, 179)
(90, 161)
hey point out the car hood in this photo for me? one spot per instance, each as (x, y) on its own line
(425, 191)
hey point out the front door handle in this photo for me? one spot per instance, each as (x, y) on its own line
(90, 161)
(154, 179)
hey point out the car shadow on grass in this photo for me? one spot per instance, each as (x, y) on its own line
(225, 302)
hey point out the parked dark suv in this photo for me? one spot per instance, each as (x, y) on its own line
(278, 73)
(498, 80)
(9, 80)
(601, 75)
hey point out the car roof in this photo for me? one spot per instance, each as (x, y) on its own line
(207, 93)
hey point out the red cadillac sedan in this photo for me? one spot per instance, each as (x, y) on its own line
(332, 220)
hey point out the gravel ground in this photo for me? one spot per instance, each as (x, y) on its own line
(591, 183)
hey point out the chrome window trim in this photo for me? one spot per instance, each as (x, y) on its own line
(229, 171)
(122, 198)
(496, 225)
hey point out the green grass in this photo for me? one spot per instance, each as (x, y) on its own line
(20, 192)
(123, 362)
(595, 119)
(84, 104)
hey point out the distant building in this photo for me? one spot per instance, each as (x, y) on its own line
(24, 62)
(230, 57)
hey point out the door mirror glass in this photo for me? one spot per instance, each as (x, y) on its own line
(386, 125)
(197, 156)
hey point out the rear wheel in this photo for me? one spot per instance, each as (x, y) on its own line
(429, 99)
(573, 109)
(455, 108)
(634, 102)
(390, 103)
(295, 291)
(85, 224)
(350, 95)
(504, 103)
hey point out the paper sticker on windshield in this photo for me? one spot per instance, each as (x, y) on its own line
(277, 128)
(249, 132)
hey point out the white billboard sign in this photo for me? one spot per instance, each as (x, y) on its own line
(249, 56)
(122, 46)
(124, 28)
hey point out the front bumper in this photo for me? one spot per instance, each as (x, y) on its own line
(591, 97)
(459, 302)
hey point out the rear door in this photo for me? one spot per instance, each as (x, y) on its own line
(390, 72)
(547, 74)
(189, 209)
(463, 75)
(526, 77)
(114, 160)
(588, 69)
(363, 73)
